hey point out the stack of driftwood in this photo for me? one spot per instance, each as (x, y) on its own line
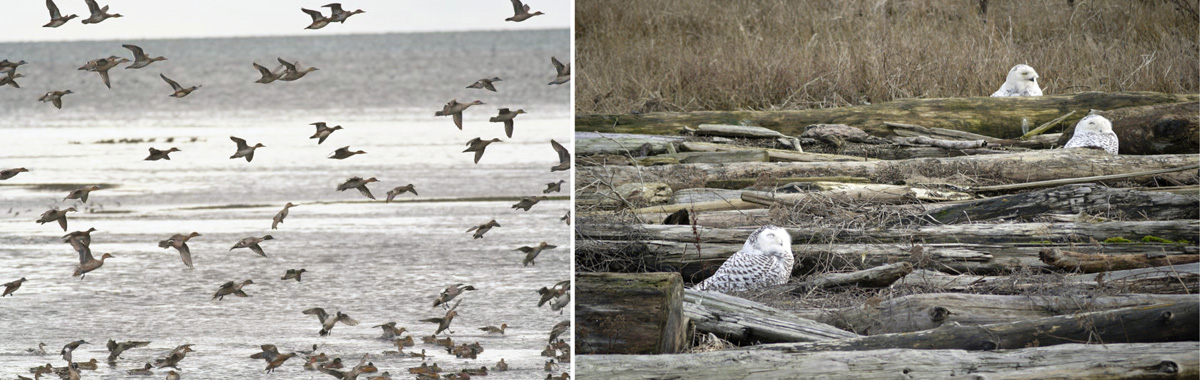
(970, 246)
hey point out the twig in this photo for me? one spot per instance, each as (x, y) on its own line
(1044, 127)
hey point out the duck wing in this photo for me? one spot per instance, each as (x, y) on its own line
(266, 74)
(563, 154)
(257, 249)
(479, 153)
(558, 66)
(92, 6)
(185, 253)
(241, 144)
(174, 85)
(458, 120)
(54, 13)
(291, 67)
(138, 54)
(363, 189)
(508, 127)
(104, 77)
(336, 8)
(316, 15)
(518, 8)
(57, 101)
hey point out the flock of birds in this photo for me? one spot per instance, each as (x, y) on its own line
(557, 295)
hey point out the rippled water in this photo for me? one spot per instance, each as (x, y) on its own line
(374, 261)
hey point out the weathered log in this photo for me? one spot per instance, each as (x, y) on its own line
(998, 117)
(926, 311)
(1066, 181)
(776, 182)
(706, 157)
(853, 192)
(739, 320)
(1043, 141)
(706, 195)
(587, 144)
(732, 204)
(1029, 166)
(1174, 279)
(736, 131)
(1090, 199)
(877, 277)
(1088, 263)
(946, 144)
(1152, 129)
(629, 313)
(697, 262)
(1050, 233)
(775, 155)
(1171, 322)
(1173, 360)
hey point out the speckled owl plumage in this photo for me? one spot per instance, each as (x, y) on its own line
(765, 260)
(1094, 131)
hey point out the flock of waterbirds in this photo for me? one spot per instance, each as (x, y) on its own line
(557, 295)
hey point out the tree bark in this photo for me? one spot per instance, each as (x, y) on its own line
(926, 311)
(746, 322)
(997, 117)
(1174, 360)
(629, 313)
(1090, 199)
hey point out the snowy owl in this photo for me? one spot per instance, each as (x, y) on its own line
(1094, 131)
(1022, 81)
(765, 260)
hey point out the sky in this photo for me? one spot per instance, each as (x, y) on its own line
(22, 20)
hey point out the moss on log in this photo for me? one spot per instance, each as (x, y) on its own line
(997, 117)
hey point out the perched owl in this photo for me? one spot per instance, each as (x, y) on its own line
(765, 260)
(1094, 131)
(1022, 81)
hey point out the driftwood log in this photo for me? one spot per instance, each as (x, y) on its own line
(926, 311)
(1090, 199)
(1174, 360)
(1029, 166)
(1156, 129)
(696, 263)
(739, 320)
(629, 313)
(1048, 233)
(1142, 324)
(1173, 279)
(1091, 263)
(877, 277)
(997, 117)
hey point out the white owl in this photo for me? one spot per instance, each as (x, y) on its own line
(765, 260)
(1094, 131)
(1022, 81)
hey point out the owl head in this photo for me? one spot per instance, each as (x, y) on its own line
(1022, 76)
(771, 240)
(1093, 124)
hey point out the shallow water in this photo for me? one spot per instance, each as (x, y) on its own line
(375, 261)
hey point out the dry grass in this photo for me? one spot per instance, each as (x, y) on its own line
(686, 55)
